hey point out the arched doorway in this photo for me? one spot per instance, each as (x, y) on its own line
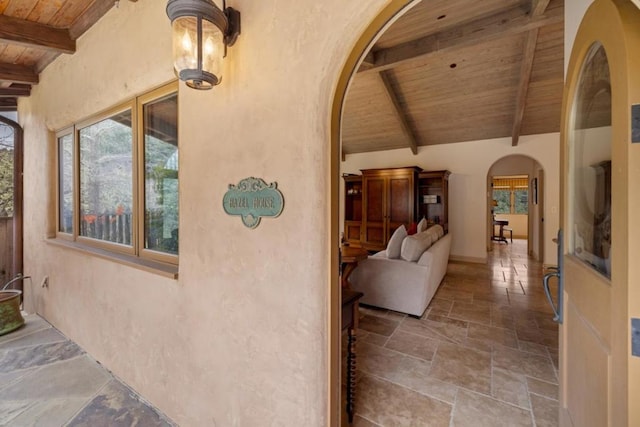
(386, 17)
(11, 221)
(515, 189)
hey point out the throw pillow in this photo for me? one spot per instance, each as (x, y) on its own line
(395, 242)
(414, 246)
(422, 225)
(413, 229)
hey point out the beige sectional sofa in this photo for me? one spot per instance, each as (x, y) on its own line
(404, 283)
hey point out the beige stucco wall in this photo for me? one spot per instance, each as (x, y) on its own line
(240, 338)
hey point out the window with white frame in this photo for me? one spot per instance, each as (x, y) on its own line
(511, 194)
(118, 178)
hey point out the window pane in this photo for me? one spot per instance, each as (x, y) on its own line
(6, 170)
(590, 165)
(106, 179)
(65, 182)
(521, 201)
(161, 175)
(503, 197)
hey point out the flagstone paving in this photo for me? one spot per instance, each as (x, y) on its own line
(47, 380)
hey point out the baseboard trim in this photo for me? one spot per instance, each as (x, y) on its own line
(460, 258)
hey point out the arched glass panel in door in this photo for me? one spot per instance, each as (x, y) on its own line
(590, 164)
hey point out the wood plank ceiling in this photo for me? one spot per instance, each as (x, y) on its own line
(459, 70)
(33, 33)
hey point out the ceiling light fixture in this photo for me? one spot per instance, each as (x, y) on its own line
(201, 34)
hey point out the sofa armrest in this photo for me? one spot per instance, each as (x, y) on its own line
(381, 254)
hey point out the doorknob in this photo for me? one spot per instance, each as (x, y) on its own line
(557, 307)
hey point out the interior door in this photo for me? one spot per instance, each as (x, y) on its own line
(600, 211)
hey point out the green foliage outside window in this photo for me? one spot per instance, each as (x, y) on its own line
(521, 198)
(511, 202)
(6, 170)
(503, 197)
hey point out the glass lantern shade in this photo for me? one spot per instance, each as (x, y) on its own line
(198, 49)
(201, 34)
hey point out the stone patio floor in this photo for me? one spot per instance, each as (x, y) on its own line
(47, 380)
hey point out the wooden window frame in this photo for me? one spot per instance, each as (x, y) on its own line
(102, 247)
(69, 131)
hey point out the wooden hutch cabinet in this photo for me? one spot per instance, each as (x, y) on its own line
(389, 200)
(352, 209)
(433, 197)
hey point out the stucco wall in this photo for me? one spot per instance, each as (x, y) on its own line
(240, 338)
(469, 163)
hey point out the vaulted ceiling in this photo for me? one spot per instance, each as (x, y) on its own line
(33, 33)
(459, 70)
(446, 71)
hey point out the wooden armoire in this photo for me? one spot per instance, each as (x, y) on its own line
(380, 200)
(389, 200)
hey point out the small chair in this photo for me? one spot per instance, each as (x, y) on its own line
(510, 230)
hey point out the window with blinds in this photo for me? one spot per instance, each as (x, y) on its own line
(511, 194)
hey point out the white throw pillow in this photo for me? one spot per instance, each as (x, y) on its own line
(395, 242)
(439, 230)
(436, 232)
(422, 225)
(414, 246)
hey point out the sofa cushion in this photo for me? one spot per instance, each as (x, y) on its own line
(395, 242)
(422, 225)
(438, 230)
(414, 246)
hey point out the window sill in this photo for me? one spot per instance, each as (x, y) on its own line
(155, 267)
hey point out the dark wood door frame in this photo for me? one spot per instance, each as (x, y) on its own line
(18, 169)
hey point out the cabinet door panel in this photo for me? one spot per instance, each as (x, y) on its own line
(375, 200)
(375, 236)
(375, 213)
(401, 196)
(352, 231)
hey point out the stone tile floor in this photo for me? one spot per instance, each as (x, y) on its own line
(485, 352)
(47, 380)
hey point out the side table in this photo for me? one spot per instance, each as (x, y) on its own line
(350, 256)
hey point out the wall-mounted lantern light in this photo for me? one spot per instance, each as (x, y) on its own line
(201, 34)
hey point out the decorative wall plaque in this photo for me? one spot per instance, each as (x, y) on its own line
(252, 199)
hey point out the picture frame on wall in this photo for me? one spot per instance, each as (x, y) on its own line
(534, 186)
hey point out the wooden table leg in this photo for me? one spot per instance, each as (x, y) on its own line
(347, 269)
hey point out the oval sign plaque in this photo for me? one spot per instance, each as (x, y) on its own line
(252, 199)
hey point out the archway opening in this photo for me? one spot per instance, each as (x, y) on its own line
(11, 168)
(515, 203)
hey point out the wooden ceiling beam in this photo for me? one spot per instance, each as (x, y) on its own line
(90, 17)
(504, 24)
(8, 104)
(523, 88)
(399, 112)
(17, 73)
(33, 34)
(15, 90)
(538, 8)
(367, 62)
